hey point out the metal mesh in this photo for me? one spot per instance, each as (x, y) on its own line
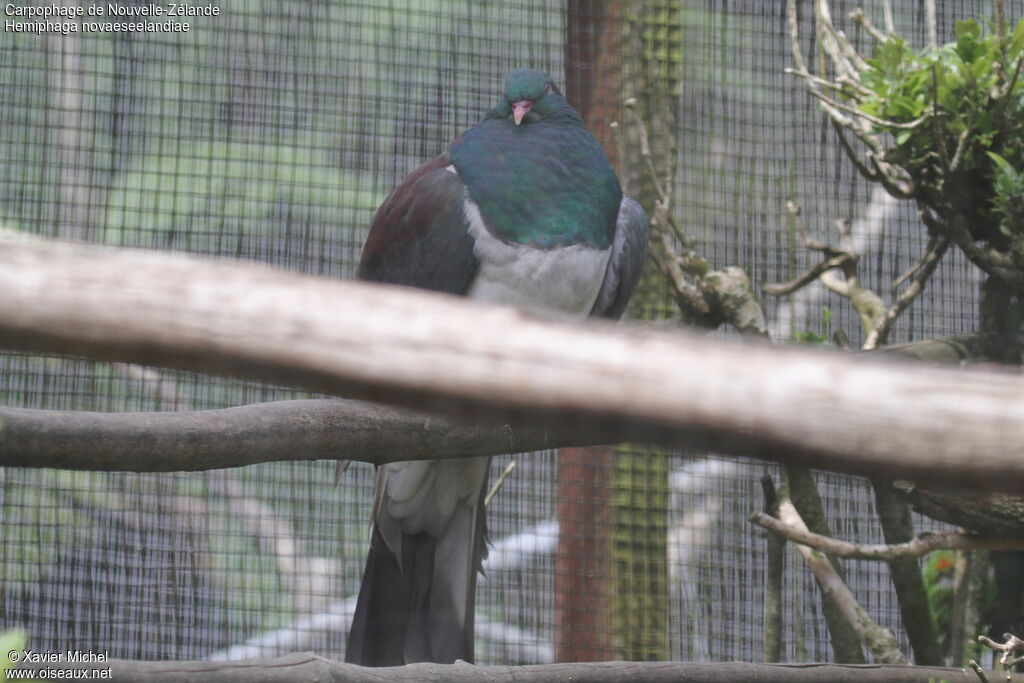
(271, 133)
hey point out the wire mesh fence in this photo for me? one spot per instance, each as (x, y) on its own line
(271, 132)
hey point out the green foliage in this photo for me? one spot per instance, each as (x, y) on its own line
(639, 554)
(11, 641)
(811, 337)
(33, 518)
(659, 27)
(317, 77)
(956, 114)
(1008, 202)
(201, 192)
(938, 572)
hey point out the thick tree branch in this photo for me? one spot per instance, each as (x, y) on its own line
(975, 347)
(804, 506)
(316, 429)
(307, 666)
(989, 514)
(774, 568)
(995, 263)
(911, 594)
(948, 426)
(970, 598)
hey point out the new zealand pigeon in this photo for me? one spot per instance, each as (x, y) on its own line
(524, 209)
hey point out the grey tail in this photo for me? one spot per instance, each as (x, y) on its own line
(377, 636)
(421, 611)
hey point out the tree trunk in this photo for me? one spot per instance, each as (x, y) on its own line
(582, 629)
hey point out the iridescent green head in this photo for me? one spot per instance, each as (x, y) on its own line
(530, 95)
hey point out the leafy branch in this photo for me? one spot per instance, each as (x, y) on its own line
(942, 126)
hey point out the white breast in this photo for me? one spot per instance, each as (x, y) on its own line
(424, 496)
(564, 279)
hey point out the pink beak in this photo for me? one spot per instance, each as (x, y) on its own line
(521, 109)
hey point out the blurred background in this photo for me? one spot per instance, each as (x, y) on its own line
(271, 133)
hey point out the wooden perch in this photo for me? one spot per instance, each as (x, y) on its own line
(315, 429)
(307, 666)
(463, 358)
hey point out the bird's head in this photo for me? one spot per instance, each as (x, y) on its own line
(530, 95)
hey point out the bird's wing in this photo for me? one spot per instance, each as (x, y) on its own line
(420, 238)
(415, 602)
(420, 234)
(629, 249)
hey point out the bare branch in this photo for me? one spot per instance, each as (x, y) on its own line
(852, 89)
(687, 295)
(932, 22)
(962, 143)
(1012, 651)
(976, 668)
(794, 37)
(851, 154)
(880, 641)
(734, 302)
(835, 258)
(890, 23)
(867, 303)
(864, 116)
(845, 640)
(936, 249)
(808, 277)
(844, 57)
(861, 18)
(645, 151)
(920, 546)
(509, 469)
(893, 178)
(711, 298)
